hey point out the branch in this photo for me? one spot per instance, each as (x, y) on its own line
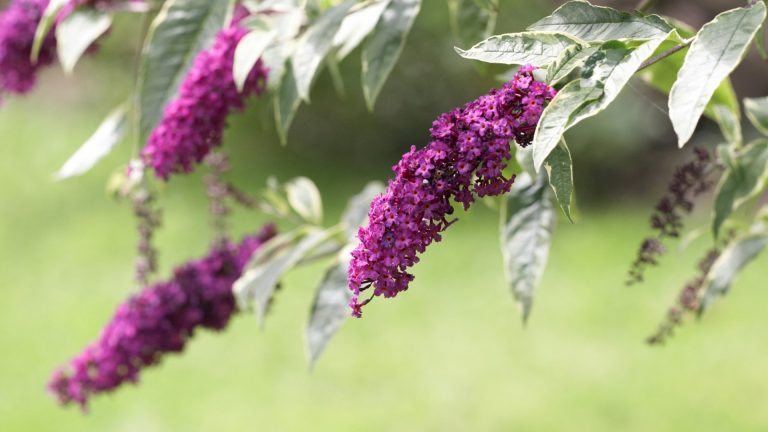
(662, 56)
(645, 5)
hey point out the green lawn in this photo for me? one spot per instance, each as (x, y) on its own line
(449, 355)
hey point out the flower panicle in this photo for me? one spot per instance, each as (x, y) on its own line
(18, 26)
(688, 300)
(465, 159)
(688, 181)
(158, 320)
(193, 124)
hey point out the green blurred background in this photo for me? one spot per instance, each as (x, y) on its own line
(450, 354)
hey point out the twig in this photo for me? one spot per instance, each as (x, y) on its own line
(662, 56)
(645, 5)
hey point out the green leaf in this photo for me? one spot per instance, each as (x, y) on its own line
(330, 307)
(559, 168)
(248, 51)
(314, 45)
(178, 33)
(613, 72)
(77, 32)
(111, 131)
(757, 113)
(538, 49)
(568, 60)
(729, 123)
(741, 182)
(554, 120)
(384, 46)
(44, 26)
(358, 24)
(598, 24)
(604, 75)
(286, 26)
(471, 22)
(256, 286)
(356, 213)
(287, 102)
(714, 54)
(527, 222)
(304, 198)
(733, 259)
(760, 39)
(662, 75)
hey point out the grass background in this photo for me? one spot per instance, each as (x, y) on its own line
(450, 354)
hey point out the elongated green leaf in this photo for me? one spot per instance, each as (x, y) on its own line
(538, 49)
(559, 168)
(331, 306)
(110, 133)
(248, 51)
(384, 46)
(662, 75)
(527, 222)
(568, 60)
(471, 22)
(714, 54)
(760, 39)
(356, 213)
(554, 119)
(287, 102)
(745, 178)
(357, 25)
(286, 26)
(730, 124)
(604, 75)
(613, 72)
(735, 257)
(314, 45)
(44, 26)
(77, 32)
(256, 286)
(598, 24)
(178, 33)
(757, 113)
(304, 198)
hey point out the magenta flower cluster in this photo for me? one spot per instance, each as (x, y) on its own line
(194, 122)
(465, 158)
(158, 320)
(18, 25)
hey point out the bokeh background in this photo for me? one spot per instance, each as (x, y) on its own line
(451, 353)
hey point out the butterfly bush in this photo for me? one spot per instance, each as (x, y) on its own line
(193, 123)
(18, 25)
(465, 158)
(158, 320)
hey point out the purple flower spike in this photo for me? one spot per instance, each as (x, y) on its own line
(466, 157)
(194, 122)
(158, 320)
(18, 25)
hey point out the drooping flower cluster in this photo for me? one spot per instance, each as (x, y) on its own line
(18, 25)
(158, 320)
(193, 123)
(689, 181)
(688, 300)
(465, 158)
